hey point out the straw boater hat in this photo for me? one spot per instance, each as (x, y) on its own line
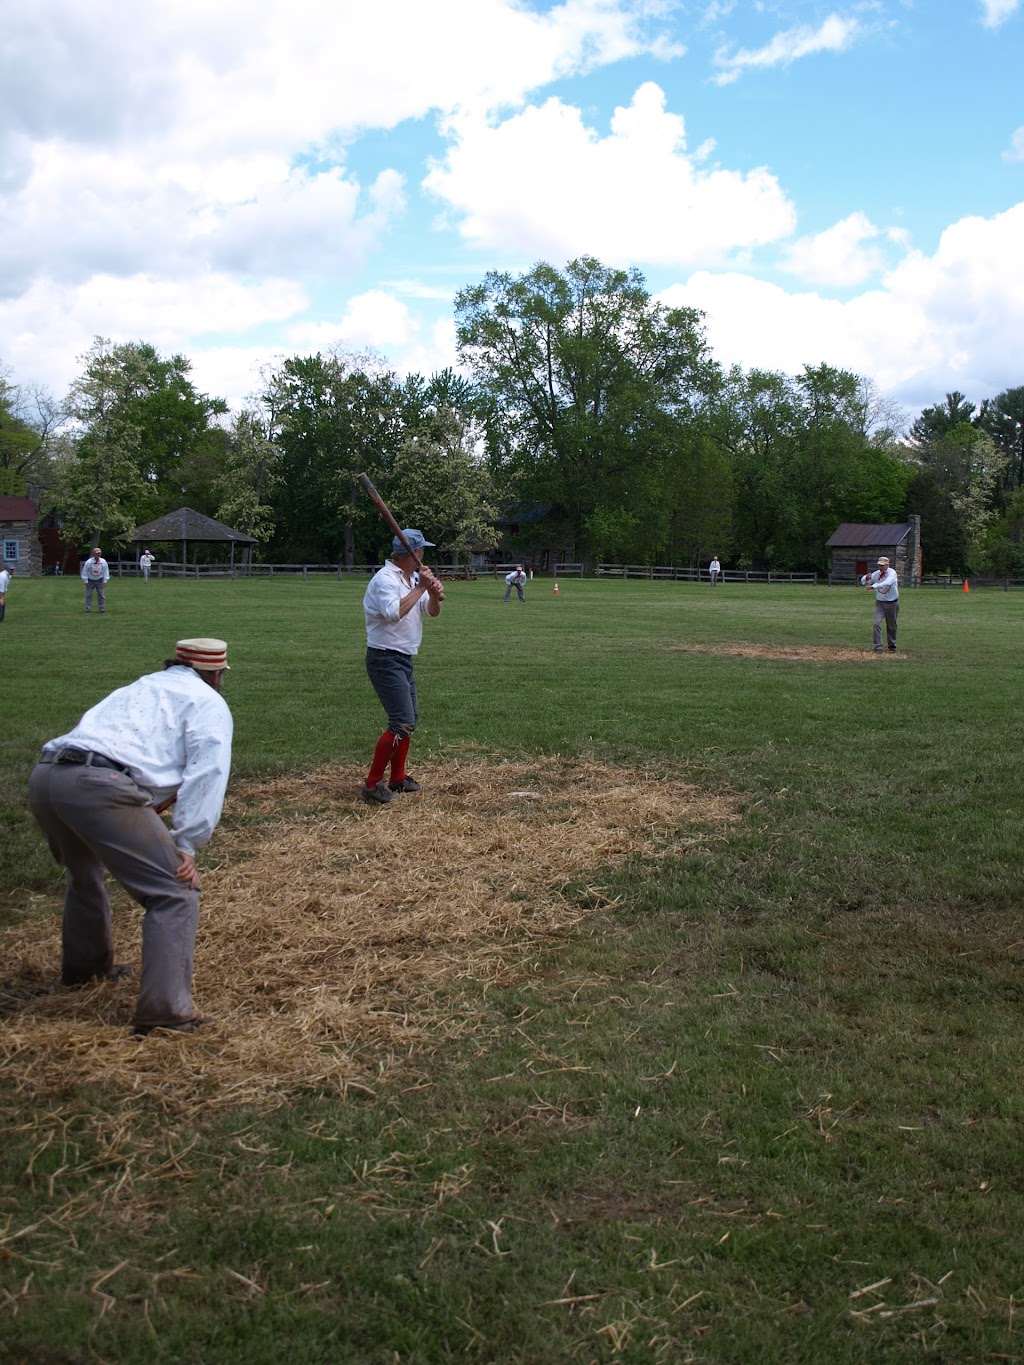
(209, 656)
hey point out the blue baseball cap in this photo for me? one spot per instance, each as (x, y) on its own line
(416, 540)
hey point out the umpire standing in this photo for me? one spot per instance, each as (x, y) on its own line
(96, 793)
(886, 587)
(95, 574)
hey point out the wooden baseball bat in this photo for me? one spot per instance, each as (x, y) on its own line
(393, 525)
(386, 513)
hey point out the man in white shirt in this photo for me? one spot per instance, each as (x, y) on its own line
(5, 578)
(714, 569)
(146, 561)
(400, 594)
(96, 576)
(96, 793)
(515, 579)
(887, 603)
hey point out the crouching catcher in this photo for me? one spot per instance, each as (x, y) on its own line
(96, 793)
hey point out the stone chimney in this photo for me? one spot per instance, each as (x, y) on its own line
(914, 552)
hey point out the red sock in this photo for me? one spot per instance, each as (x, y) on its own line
(398, 759)
(381, 758)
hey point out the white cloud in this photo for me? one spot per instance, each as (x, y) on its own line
(166, 313)
(936, 323)
(430, 350)
(834, 34)
(182, 140)
(206, 76)
(305, 224)
(234, 373)
(375, 319)
(542, 183)
(85, 211)
(996, 12)
(846, 254)
(715, 10)
(383, 324)
(192, 173)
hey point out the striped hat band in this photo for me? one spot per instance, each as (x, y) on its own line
(202, 653)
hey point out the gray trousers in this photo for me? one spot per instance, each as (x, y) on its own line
(394, 680)
(887, 612)
(90, 588)
(96, 818)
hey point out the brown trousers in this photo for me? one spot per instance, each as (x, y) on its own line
(96, 818)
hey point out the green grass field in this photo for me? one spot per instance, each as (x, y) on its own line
(765, 1106)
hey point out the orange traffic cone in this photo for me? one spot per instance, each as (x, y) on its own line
(967, 586)
(556, 589)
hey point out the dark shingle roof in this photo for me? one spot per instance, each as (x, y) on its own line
(852, 535)
(17, 509)
(184, 524)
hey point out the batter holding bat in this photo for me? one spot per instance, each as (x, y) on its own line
(400, 594)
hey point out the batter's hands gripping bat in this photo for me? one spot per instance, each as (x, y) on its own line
(392, 524)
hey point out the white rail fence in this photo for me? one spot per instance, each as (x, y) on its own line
(127, 568)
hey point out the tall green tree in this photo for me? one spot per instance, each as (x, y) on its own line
(1004, 540)
(959, 470)
(30, 420)
(826, 458)
(104, 489)
(807, 452)
(701, 494)
(142, 432)
(442, 482)
(248, 476)
(933, 423)
(757, 425)
(1002, 418)
(590, 383)
(337, 416)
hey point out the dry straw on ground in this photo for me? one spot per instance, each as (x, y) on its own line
(336, 937)
(815, 654)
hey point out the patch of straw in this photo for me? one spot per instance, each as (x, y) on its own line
(817, 654)
(336, 937)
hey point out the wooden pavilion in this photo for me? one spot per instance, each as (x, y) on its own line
(186, 526)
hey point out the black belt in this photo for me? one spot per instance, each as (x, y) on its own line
(87, 758)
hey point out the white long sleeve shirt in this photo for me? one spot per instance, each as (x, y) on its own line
(381, 604)
(885, 584)
(173, 733)
(95, 571)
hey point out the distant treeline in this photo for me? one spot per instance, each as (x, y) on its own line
(586, 421)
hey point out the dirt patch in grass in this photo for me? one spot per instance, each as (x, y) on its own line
(336, 937)
(815, 654)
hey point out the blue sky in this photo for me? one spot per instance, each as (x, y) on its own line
(242, 182)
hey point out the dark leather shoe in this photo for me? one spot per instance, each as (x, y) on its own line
(407, 784)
